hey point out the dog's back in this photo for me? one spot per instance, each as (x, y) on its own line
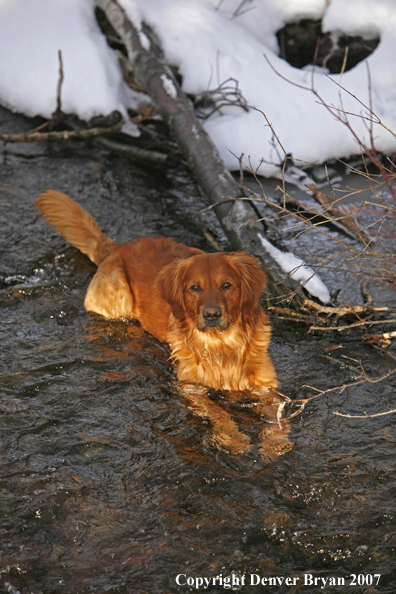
(123, 286)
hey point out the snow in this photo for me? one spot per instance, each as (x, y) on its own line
(210, 41)
(169, 86)
(144, 41)
(298, 270)
(31, 33)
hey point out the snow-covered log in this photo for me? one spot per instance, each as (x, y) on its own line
(237, 217)
(158, 81)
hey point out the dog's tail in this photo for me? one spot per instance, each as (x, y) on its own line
(76, 225)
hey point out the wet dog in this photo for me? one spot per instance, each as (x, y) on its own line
(205, 306)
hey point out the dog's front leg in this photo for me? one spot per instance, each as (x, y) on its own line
(225, 433)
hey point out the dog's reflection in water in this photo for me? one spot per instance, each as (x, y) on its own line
(233, 422)
(259, 414)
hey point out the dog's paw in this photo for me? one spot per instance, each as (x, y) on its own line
(233, 443)
(273, 441)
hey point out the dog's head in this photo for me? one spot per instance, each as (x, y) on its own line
(213, 290)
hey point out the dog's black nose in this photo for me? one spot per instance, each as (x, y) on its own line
(211, 313)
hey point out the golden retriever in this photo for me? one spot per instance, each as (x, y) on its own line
(205, 306)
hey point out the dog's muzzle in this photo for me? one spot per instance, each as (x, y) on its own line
(212, 317)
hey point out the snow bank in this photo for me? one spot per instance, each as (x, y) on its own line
(209, 43)
(31, 33)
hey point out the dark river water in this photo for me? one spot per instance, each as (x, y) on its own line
(111, 481)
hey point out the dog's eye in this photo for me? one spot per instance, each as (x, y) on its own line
(195, 288)
(225, 286)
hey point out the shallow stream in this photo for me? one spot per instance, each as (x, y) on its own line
(109, 480)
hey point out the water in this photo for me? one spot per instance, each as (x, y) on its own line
(111, 480)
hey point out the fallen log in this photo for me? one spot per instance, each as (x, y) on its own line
(238, 218)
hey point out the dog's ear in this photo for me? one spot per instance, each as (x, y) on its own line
(170, 285)
(252, 277)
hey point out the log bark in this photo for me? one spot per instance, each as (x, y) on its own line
(237, 218)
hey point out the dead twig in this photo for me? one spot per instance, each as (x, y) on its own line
(286, 313)
(354, 325)
(343, 387)
(341, 215)
(365, 416)
(362, 378)
(132, 152)
(341, 311)
(372, 381)
(367, 296)
(210, 239)
(384, 338)
(60, 81)
(127, 150)
(61, 135)
(343, 364)
(227, 94)
(322, 392)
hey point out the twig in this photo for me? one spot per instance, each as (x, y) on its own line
(60, 81)
(322, 392)
(354, 325)
(342, 363)
(376, 380)
(133, 152)
(341, 311)
(238, 11)
(387, 353)
(293, 314)
(368, 298)
(225, 95)
(211, 206)
(371, 381)
(341, 216)
(210, 239)
(273, 132)
(365, 416)
(384, 338)
(62, 135)
(279, 412)
(362, 379)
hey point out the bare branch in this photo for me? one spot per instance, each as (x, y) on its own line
(354, 325)
(62, 135)
(366, 416)
(60, 81)
(342, 311)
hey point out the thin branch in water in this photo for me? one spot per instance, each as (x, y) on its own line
(133, 152)
(354, 325)
(384, 338)
(322, 392)
(365, 416)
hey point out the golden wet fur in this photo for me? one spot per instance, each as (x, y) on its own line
(205, 306)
